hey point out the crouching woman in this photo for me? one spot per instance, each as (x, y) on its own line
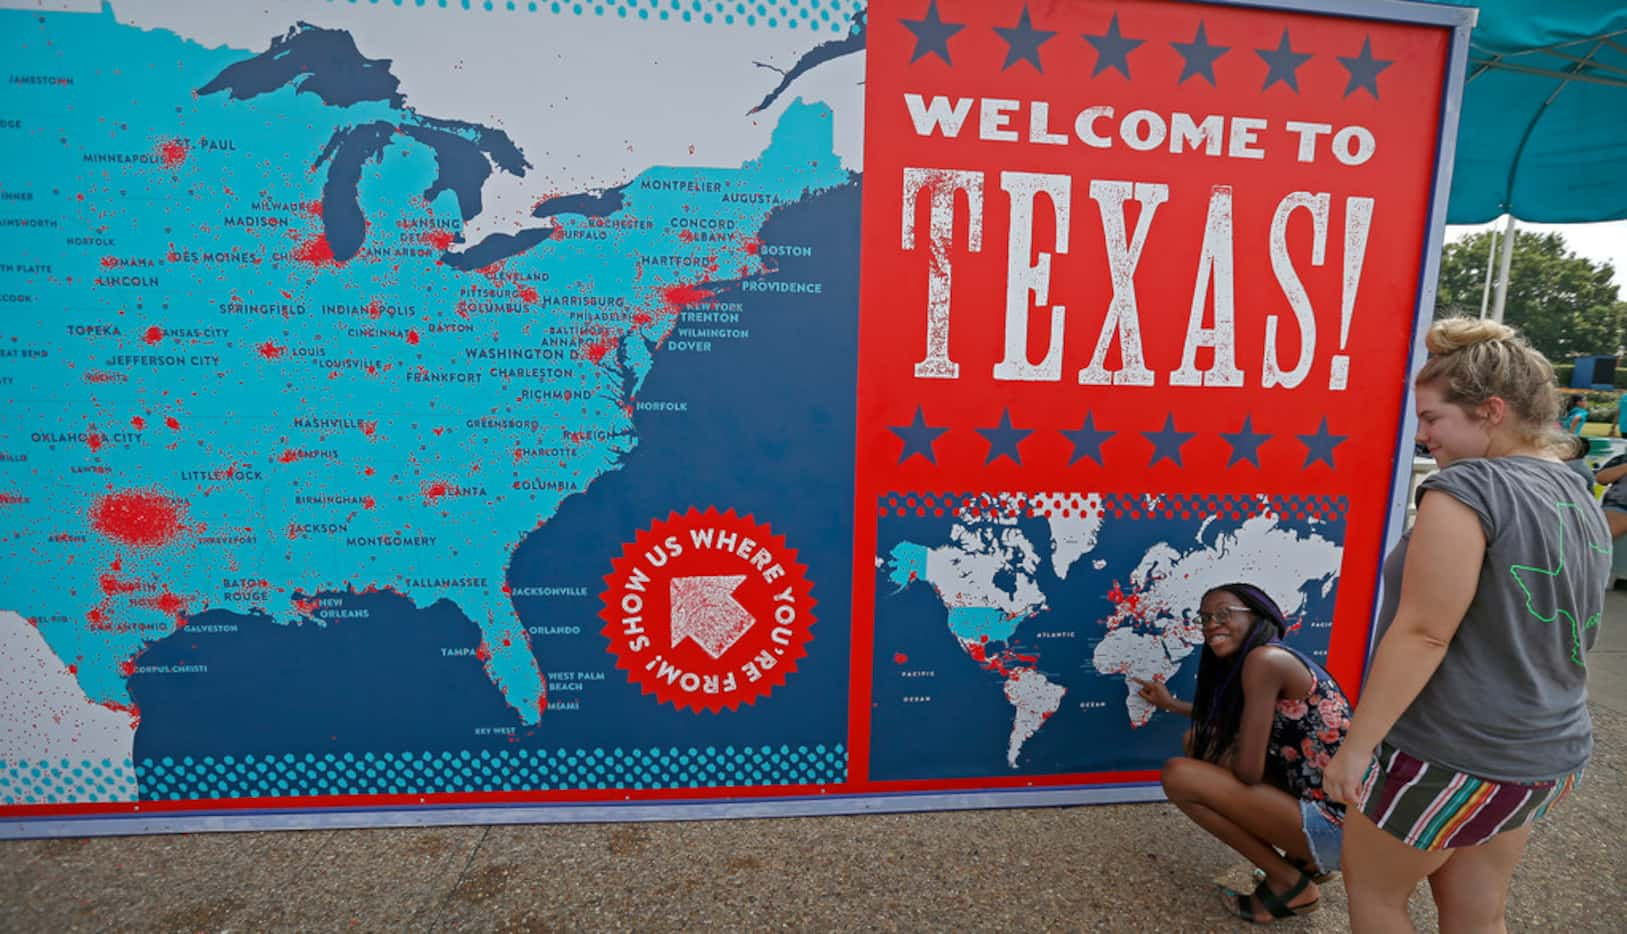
(1266, 720)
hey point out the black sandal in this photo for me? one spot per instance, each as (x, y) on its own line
(1304, 866)
(1244, 906)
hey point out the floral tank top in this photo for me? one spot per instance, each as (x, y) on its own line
(1305, 734)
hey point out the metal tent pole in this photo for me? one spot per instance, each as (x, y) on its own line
(1491, 258)
(1502, 272)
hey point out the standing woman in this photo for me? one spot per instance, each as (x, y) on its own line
(1266, 720)
(1473, 720)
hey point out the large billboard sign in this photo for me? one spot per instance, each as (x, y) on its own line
(452, 412)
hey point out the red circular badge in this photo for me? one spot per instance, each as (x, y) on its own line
(707, 610)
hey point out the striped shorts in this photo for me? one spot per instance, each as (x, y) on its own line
(1432, 807)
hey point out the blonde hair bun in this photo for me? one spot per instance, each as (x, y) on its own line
(1452, 334)
(1472, 360)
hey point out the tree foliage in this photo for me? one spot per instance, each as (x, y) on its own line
(1564, 304)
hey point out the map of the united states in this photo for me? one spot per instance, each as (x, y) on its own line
(255, 357)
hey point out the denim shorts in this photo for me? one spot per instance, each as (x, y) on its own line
(1322, 835)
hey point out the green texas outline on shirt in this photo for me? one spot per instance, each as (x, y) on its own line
(1577, 627)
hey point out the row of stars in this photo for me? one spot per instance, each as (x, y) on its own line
(1087, 440)
(1113, 50)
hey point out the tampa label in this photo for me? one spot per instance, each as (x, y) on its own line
(707, 610)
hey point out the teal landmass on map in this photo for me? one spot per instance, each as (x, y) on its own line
(982, 624)
(211, 408)
(906, 564)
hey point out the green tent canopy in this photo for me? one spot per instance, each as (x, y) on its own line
(1543, 131)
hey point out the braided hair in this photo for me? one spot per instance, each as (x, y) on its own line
(1218, 706)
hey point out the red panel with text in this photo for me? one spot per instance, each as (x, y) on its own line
(1133, 257)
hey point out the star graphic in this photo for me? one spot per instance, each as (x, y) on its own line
(1200, 56)
(918, 438)
(1282, 62)
(1245, 442)
(1166, 442)
(1003, 438)
(1319, 447)
(1023, 41)
(1087, 441)
(1364, 69)
(932, 34)
(1112, 49)
(1548, 610)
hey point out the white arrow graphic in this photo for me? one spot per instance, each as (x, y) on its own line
(704, 609)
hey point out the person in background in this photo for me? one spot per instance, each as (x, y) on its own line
(1612, 475)
(1575, 416)
(1266, 720)
(1573, 450)
(1473, 721)
(1621, 415)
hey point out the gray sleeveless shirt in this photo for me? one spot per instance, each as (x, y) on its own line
(1509, 701)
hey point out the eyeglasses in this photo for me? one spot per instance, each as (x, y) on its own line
(1219, 616)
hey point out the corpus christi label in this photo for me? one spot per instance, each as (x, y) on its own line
(707, 610)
